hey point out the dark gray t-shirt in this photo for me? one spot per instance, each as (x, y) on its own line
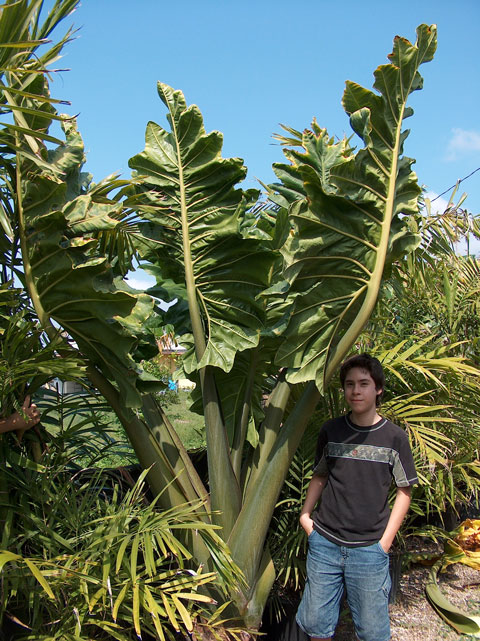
(361, 463)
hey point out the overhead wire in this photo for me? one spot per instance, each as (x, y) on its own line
(460, 180)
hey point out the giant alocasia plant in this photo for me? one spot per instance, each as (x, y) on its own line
(268, 304)
(347, 212)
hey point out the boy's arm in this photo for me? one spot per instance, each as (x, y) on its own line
(314, 490)
(17, 422)
(399, 510)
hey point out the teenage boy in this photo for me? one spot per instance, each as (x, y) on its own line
(352, 529)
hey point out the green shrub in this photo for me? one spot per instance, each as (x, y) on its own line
(84, 555)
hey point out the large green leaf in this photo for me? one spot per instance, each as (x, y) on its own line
(350, 226)
(243, 389)
(322, 154)
(71, 281)
(207, 257)
(346, 211)
(78, 291)
(197, 239)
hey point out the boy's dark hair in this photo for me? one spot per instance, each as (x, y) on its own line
(369, 363)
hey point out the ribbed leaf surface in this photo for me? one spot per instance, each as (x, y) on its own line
(241, 390)
(349, 226)
(74, 283)
(196, 238)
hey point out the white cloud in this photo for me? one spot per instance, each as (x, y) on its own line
(440, 204)
(140, 279)
(462, 142)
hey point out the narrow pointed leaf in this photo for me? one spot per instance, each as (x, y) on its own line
(155, 613)
(133, 558)
(39, 576)
(170, 613)
(119, 600)
(136, 610)
(186, 618)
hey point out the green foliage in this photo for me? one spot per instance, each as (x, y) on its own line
(73, 280)
(269, 302)
(69, 243)
(24, 33)
(84, 430)
(84, 553)
(351, 224)
(195, 235)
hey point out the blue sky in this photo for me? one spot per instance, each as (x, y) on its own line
(251, 65)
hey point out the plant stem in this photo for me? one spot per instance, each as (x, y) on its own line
(224, 487)
(242, 429)
(247, 538)
(270, 427)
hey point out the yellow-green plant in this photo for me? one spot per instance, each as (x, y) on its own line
(84, 557)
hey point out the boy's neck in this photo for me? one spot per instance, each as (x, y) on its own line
(365, 419)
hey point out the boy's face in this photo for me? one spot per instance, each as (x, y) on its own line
(360, 392)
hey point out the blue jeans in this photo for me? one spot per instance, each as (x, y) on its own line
(363, 571)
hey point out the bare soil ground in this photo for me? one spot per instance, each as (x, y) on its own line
(412, 617)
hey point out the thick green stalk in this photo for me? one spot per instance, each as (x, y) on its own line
(225, 496)
(224, 487)
(167, 437)
(165, 477)
(253, 607)
(269, 429)
(247, 538)
(242, 428)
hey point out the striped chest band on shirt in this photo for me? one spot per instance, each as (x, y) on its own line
(372, 453)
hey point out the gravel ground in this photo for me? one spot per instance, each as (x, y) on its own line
(412, 617)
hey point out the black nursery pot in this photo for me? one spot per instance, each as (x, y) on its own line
(284, 628)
